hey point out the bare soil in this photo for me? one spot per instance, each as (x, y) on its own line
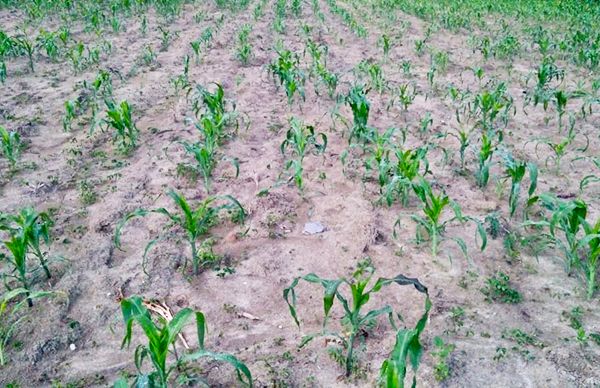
(269, 250)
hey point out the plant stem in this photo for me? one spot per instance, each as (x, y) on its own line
(195, 259)
(591, 281)
(349, 355)
(434, 241)
(43, 263)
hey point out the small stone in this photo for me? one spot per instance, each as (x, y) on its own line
(72, 347)
(313, 228)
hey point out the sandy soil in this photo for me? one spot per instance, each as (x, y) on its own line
(273, 249)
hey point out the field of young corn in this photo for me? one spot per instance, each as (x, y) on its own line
(299, 193)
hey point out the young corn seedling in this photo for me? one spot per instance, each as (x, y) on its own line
(559, 149)
(3, 73)
(439, 61)
(375, 74)
(47, 41)
(410, 165)
(489, 106)
(542, 93)
(182, 81)
(486, 152)
(166, 37)
(196, 46)
(205, 153)
(196, 222)
(405, 96)
(357, 322)
(70, 115)
(10, 145)
(214, 107)
(464, 138)
(119, 118)
(360, 106)
(287, 70)
(395, 177)
(431, 224)
(581, 244)
(9, 319)
(515, 170)
(206, 36)
(590, 244)
(162, 335)
(319, 69)
(25, 232)
(300, 138)
(76, 55)
(560, 99)
(384, 42)
(25, 45)
(244, 48)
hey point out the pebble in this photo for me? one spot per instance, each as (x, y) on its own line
(313, 228)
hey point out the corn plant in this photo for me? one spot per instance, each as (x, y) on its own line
(76, 55)
(405, 96)
(430, 227)
(395, 176)
(196, 222)
(162, 335)
(356, 321)
(375, 74)
(300, 138)
(148, 56)
(542, 92)
(384, 42)
(464, 138)
(166, 37)
(410, 165)
(70, 114)
(182, 81)
(205, 153)
(319, 69)
(196, 45)
(214, 107)
(244, 48)
(296, 7)
(9, 315)
(407, 345)
(47, 41)
(10, 145)
(559, 149)
(515, 170)
(490, 105)
(25, 232)
(580, 242)
(560, 100)
(439, 61)
(3, 73)
(287, 70)
(206, 36)
(486, 152)
(360, 106)
(119, 118)
(26, 45)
